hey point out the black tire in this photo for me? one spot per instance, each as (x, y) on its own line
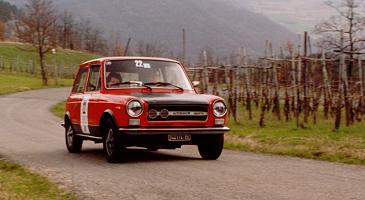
(112, 146)
(212, 149)
(73, 142)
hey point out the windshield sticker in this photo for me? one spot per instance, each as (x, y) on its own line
(147, 65)
(140, 64)
(108, 63)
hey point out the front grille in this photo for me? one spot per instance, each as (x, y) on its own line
(179, 112)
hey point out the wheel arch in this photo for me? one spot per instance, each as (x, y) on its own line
(107, 115)
(67, 119)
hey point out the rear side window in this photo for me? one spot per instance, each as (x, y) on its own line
(94, 79)
(80, 81)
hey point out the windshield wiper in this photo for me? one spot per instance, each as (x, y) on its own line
(164, 84)
(132, 82)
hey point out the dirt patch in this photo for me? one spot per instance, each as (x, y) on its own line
(234, 139)
(348, 152)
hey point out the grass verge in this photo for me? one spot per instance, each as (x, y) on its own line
(59, 110)
(315, 141)
(21, 184)
(11, 82)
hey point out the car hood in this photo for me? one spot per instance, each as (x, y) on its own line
(174, 98)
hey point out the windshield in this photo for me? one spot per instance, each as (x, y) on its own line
(121, 74)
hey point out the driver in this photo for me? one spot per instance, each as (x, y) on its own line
(156, 77)
(113, 78)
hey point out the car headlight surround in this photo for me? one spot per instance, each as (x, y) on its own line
(219, 108)
(134, 108)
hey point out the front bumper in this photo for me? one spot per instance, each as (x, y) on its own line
(158, 137)
(182, 130)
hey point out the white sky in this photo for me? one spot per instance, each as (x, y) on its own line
(297, 15)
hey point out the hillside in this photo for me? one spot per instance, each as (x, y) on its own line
(209, 23)
(20, 56)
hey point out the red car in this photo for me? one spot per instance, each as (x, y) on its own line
(142, 102)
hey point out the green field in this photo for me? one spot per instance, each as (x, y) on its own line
(23, 58)
(27, 52)
(21, 184)
(15, 82)
(17, 61)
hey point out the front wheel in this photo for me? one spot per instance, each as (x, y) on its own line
(212, 149)
(111, 143)
(73, 142)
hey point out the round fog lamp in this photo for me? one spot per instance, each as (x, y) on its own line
(134, 108)
(219, 109)
(153, 114)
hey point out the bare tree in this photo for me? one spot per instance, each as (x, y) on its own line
(116, 45)
(151, 49)
(91, 38)
(2, 31)
(78, 35)
(66, 30)
(352, 21)
(38, 27)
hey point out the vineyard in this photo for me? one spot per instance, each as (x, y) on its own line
(292, 85)
(298, 86)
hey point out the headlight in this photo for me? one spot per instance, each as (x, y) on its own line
(219, 109)
(134, 108)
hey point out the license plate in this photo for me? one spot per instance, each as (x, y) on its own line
(179, 138)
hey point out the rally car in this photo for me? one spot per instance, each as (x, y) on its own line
(142, 102)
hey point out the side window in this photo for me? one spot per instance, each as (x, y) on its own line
(94, 79)
(80, 81)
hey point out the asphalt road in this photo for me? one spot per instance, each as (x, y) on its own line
(32, 136)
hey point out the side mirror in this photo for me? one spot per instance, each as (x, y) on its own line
(196, 83)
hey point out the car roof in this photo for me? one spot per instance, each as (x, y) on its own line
(130, 58)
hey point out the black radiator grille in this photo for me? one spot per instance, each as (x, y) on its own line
(198, 109)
